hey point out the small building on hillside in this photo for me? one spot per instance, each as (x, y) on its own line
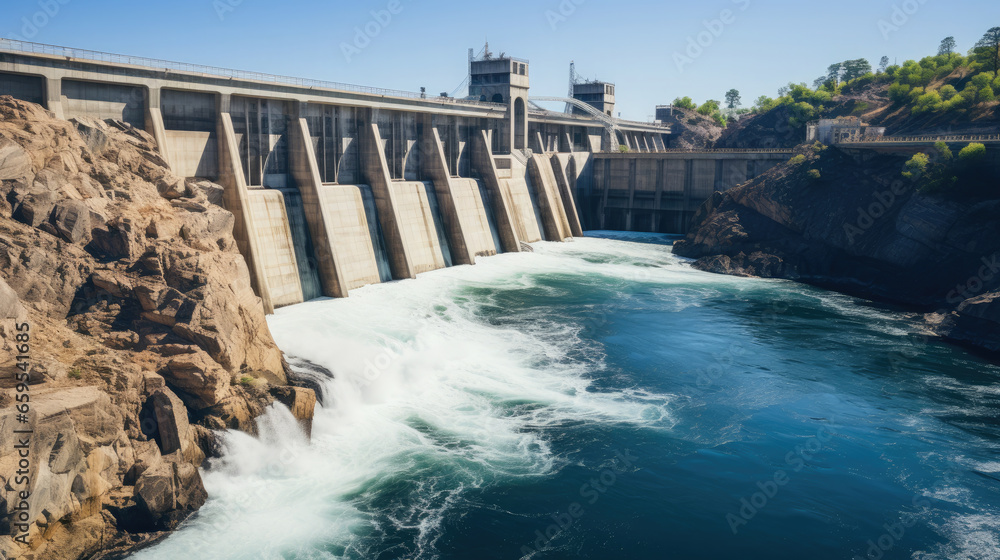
(840, 129)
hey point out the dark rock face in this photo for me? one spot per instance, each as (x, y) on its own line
(141, 314)
(863, 229)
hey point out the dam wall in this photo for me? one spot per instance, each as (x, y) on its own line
(549, 198)
(660, 192)
(333, 186)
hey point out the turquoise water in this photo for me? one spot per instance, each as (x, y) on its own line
(601, 399)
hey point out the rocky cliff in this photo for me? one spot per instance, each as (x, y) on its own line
(853, 223)
(129, 332)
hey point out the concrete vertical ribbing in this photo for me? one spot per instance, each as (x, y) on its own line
(154, 124)
(306, 172)
(632, 179)
(237, 201)
(376, 170)
(435, 168)
(550, 203)
(566, 190)
(661, 179)
(460, 217)
(53, 97)
(485, 165)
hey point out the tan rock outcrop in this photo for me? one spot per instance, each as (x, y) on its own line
(141, 314)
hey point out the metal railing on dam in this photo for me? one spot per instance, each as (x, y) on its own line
(922, 139)
(14, 46)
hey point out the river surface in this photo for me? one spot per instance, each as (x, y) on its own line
(601, 399)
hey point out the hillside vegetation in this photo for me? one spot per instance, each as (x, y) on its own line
(946, 93)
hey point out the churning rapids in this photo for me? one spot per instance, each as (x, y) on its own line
(602, 399)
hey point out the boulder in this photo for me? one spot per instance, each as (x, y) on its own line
(199, 377)
(173, 429)
(14, 162)
(172, 188)
(170, 491)
(10, 304)
(71, 220)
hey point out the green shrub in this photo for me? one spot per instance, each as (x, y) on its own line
(947, 92)
(996, 85)
(972, 154)
(797, 160)
(986, 94)
(75, 373)
(860, 108)
(720, 119)
(814, 174)
(801, 113)
(944, 152)
(708, 107)
(982, 80)
(958, 102)
(928, 102)
(818, 147)
(899, 93)
(623, 148)
(916, 92)
(685, 103)
(247, 381)
(917, 166)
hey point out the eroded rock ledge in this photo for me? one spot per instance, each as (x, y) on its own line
(854, 224)
(145, 335)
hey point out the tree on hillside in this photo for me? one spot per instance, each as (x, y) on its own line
(834, 72)
(762, 103)
(820, 81)
(883, 64)
(783, 90)
(947, 46)
(987, 50)
(733, 98)
(854, 69)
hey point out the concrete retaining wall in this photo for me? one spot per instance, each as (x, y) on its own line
(419, 226)
(471, 210)
(522, 210)
(193, 153)
(277, 249)
(349, 226)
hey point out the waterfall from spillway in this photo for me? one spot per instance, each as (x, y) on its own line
(304, 252)
(375, 229)
(490, 216)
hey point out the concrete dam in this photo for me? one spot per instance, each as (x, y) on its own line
(335, 186)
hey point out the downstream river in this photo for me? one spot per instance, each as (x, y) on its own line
(601, 399)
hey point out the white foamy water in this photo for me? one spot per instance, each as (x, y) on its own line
(429, 400)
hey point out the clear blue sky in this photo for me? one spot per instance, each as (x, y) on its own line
(765, 43)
